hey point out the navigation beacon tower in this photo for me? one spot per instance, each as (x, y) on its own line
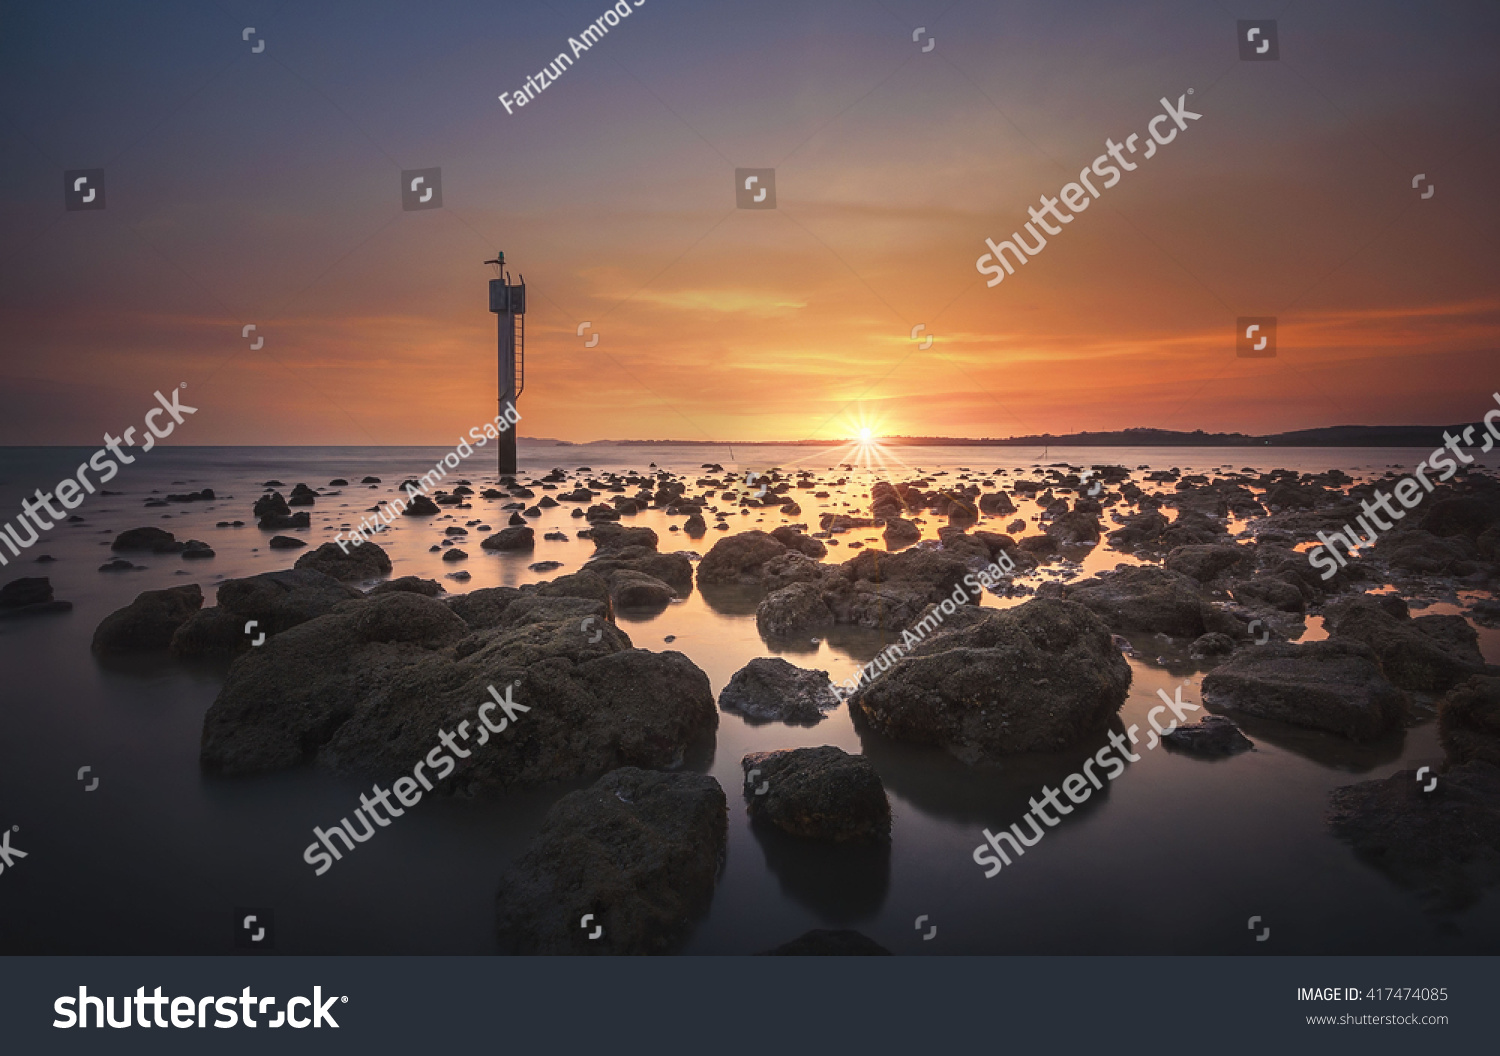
(508, 302)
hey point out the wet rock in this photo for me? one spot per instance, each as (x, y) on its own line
(366, 689)
(877, 589)
(1211, 644)
(285, 542)
(276, 601)
(738, 558)
(430, 588)
(1211, 736)
(793, 610)
(636, 590)
(1428, 653)
(820, 942)
(793, 567)
(455, 554)
(302, 495)
(900, 532)
(420, 506)
(1144, 598)
(639, 851)
(1038, 544)
(1192, 528)
(30, 596)
(1469, 721)
(1140, 531)
(885, 502)
(792, 539)
(695, 525)
(996, 504)
(363, 561)
(1206, 563)
(196, 548)
(1444, 843)
(1272, 592)
(768, 689)
(151, 540)
(119, 564)
(544, 566)
(676, 570)
(273, 515)
(516, 537)
(818, 794)
(1074, 527)
(1329, 685)
(1036, 678)
(148, 622)
(610, 536)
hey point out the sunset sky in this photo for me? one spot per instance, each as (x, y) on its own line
(263, 188)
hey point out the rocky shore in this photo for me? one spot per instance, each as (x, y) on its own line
(357, 671)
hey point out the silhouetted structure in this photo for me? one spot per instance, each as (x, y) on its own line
(508, 302)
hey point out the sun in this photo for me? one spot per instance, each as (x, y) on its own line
(865, 434)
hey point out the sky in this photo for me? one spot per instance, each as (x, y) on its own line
(263, 187)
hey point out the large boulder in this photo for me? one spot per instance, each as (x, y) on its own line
(636, 590)
(582, 593)
(1040, 677)
(1469, 721)
(625, 866)
(768, 689)
(276, 601)
(1328, 685)
(792, 539)
(1145, 598)
(738, 558)
(1207, 562)
(1444, 843)
(1428, 653)
(818, 794)
(881, 590)
(362, 561)
(673, 569)
(148, 622)
(792, 610)
(367, 689)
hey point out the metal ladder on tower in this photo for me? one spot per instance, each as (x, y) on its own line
(520, 379)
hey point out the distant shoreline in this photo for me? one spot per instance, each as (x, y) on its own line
(1413, 436)
(1332, 436)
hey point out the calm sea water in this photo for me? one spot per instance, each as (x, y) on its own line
(1174, 859)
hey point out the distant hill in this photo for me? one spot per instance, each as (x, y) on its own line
(1429, 436)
